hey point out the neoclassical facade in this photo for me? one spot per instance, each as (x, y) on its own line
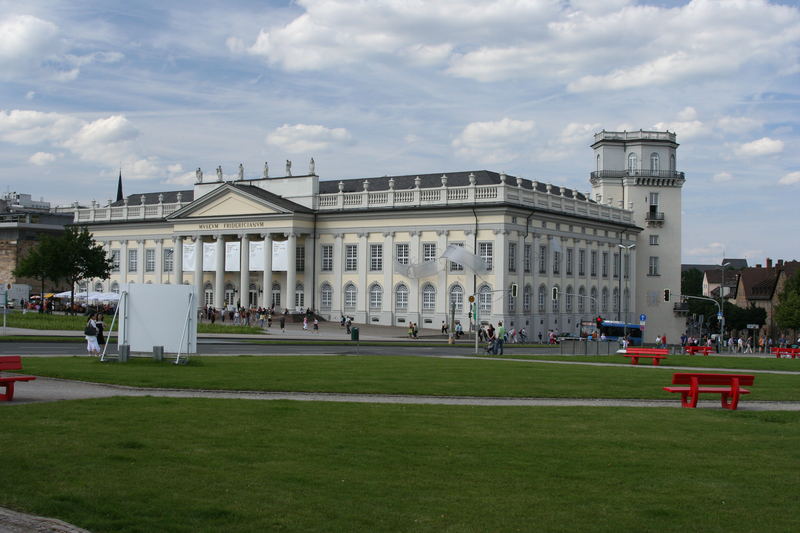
(372, 248)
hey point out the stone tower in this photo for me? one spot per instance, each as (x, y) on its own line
(637, 170)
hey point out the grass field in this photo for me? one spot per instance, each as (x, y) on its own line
(157, 464)
(395, 375)
(198, 465)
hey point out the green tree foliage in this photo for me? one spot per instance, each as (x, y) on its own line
(41, 262)
(787, 312)
(692, 282)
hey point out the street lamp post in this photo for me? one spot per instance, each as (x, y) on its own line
(721, 307)
(619, 293)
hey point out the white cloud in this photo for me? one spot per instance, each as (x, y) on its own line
(762, 146)
(738, 124)
(494, 142)
(790, 179)
(306, 138)
(577, 133)
(721, 177)
(713, 249)
(42, 158)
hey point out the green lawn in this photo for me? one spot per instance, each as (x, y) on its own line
(395, 375)
(158, 464)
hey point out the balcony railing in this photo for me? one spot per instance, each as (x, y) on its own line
(634, 135)
(654, 216)
(637, 173)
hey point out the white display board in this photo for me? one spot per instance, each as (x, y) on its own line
(233, 256)
(156, 315)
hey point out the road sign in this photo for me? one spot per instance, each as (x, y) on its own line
(753, 326)
(643, 318)
(719, 316)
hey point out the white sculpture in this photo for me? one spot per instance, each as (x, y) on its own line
(219, 173)
(266, 170)
(311, 166)
(288, 168)
(199, 175)
(241, 171)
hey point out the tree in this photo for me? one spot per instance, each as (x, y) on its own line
(41, 263)
(787, 312)
(80, 257)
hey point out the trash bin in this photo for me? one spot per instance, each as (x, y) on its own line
(158, 353)
(353, 334)
(124, 353)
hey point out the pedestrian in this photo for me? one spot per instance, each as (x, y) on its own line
(283, 323)
(347, 324)
(100, 325)
(305, 323)
(316, 325)
(444, 328)
(540, 337)
(90, 333)
(500, 339)
(269, 319)
(410, 330)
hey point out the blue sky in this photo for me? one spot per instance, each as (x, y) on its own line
(409, 87)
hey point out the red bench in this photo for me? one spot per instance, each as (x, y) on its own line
(785, 352)
(11, 362)
(655, 354)
(693, 350)
(728, 385)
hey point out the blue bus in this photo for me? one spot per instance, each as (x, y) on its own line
(614, 331)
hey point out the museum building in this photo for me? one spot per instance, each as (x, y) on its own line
(372, 249)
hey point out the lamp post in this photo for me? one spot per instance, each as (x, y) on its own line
(721, 307)
(619, 301)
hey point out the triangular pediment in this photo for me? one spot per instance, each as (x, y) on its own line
(228, 201)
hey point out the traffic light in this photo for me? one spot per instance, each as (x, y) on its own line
(514, 290)
(667, 294)
(599, 321)
(555, 293)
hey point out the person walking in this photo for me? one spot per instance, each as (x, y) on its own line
(100, 325)
(305, 323)
(283, 323)
(316, 325)
(90, 333)
(500, 338)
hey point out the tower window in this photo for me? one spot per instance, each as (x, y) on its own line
(633, 161)
(654, 162)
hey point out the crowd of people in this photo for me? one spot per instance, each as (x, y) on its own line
(742, 343)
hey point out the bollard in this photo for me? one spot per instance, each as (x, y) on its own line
(124, 353)
(158, 353)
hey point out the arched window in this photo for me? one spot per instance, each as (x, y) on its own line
(457, 297)
(527, 296)
(654, 162)
(633, 162)
(326, 296)
(512, 302)
(593, 300)
(299, 296)
(83, 286)
(557, 302)
(604, 301)
(581, 300)
(276, 296)
(615, 300)
(208, 294)
(672, 162)
(230, 294)
(98, 287)
(375, 297)
(350, 295)
(401, 297)
(428, 297)
(598, 163)
(569, 299)
(252, 294)
(115, 287)
(540, 298)
(485, 300)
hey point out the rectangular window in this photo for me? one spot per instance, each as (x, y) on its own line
(627, 263)
(351, 257)
(149, 260)
(654, 240)
(401, 255)
(512, 257)
(593, 266)
(653, 267)
(455, 267)
(327, 258)
(401, 300)
(569, 261)
(326, 298)
(581, 262)
(556, 262)
(527, 258)
(300, 260)
(485, 250)
(133, 260)
(376, 257)
(429, 251)
(654, 199)
(114, 260)
(169, 259)
(605, 264)
(542, 259)
(616, 266)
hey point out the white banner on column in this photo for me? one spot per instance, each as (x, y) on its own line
(188, 257)
(232, 256)
(209, 256)
(280, 256)
(256, 256)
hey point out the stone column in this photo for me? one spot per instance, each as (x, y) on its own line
(123, 262)
(291, 271)
(266, 283)
(414, 299)
(244, 269)
(198, 269)
(470, 278)
(159, 260)
(443, 303)
(177, 261)
(308, 277)
(388, 275)
(337, 302)
(141, 261)
(219, 273)
(362, 303)
(499, 268)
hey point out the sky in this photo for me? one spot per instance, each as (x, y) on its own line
(390, 87)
